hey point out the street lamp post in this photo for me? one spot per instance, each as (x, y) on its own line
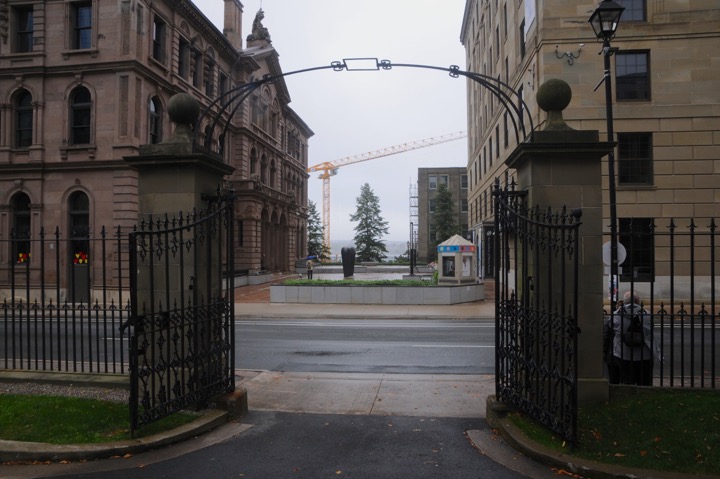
(604, 21)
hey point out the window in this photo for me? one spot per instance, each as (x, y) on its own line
(505, 129)
(432, 182)
(635, 159)
(443, 180)
(255, 113)
(497, 141)
(159, 34)
(263, 170)
(522, 38)
(634, 10)
(210, 77)
(464, 182)
(464, 205)
(155, 120)
(208, 137)
(431, 206)
(80, 114)
(23, 29)
(197, 69)
(632, 75)
(636, 235)
(505, 19)
(23, 119)
(81, 17)
(222, 84)
(20, 234)
(184, 58)
(79, 247)
(253, 162)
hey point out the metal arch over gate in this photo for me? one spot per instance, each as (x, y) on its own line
(229, 103)
(536, 308)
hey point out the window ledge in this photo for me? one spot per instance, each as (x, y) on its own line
(91, 52)
(158, 63)
(24, 56)
(73, 148)
(636, 187)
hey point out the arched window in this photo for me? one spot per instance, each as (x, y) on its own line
(272, 174)
(155, 120)
(79, 210)
(80, 114)
(23, 119)
(20, 234)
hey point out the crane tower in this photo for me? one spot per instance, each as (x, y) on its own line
(328, 169)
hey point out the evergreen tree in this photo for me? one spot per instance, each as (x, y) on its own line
(444, 216)
(370, 228)
(314, 232)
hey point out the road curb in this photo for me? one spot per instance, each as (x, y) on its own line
(18, 451)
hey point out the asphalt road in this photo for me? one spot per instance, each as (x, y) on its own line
(377, 346)
(314, 446)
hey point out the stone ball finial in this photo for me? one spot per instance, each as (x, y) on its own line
(183, 109)
(553, 97)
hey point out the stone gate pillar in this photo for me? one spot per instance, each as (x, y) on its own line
(562, 167)
(175, 177)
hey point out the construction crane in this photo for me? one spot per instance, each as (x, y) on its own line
(328, 169)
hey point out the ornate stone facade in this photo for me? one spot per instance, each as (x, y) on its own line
(84, 84)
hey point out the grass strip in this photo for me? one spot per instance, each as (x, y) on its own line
(70, 420)
(664, 430)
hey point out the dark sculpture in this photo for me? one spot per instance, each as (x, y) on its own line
(259, 32)
(348, 261)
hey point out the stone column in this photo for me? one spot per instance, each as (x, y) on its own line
(175, 178)
(561, 167)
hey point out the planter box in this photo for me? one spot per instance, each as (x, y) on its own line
(441, 294)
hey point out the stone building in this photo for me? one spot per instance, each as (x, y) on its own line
(665, 78)
(456, 179)
(85, 83)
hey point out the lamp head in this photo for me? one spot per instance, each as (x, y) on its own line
(605, 19)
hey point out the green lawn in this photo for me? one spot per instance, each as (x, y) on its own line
(675, 431)
(69, 420)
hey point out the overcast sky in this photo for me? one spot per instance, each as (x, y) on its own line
(355, 112)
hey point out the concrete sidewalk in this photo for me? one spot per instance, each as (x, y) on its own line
(428, 395)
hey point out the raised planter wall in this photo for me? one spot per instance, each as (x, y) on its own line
(450, 294)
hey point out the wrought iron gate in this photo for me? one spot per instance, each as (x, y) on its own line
(182, 309)
(536, 303)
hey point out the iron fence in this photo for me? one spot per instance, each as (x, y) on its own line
(672, 266)
(64, 299)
